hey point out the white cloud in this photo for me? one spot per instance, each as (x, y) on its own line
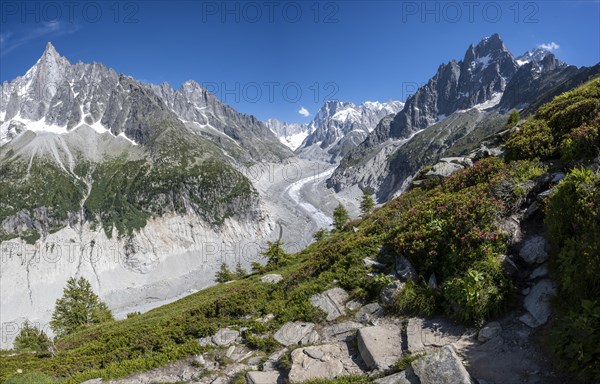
(304, 112)
(549, 46)
(45, 30)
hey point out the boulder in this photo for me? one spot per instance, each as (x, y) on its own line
(443, 169)
(260, 377)
(93, 381)
(332, 302)
(489, 331)
(389, 293)
(272, 278)
(225, 337)
(369, 313)
(353, 305)
(326, 361)
(537, 303)
(273, 360)
(405, 377)
(540, 271)
(342, 331)
(441, 367)
(405, 270)
(423, 334)
(380, 346)
(205, 341)
(534, 250)
(294, 333)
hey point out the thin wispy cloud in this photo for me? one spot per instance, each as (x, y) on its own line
(304, 112)
(11, 40)
(549, 46)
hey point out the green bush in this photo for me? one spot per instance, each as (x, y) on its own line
(31, 339)
(416, 300)
(573, 222)
(534, 139)
(576, 340)
(478, 294)
(582, 143)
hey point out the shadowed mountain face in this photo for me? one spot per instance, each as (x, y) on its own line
(488, 79)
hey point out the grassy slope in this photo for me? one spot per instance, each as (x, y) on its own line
(450, 230)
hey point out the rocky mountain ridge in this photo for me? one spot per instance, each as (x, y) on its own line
(489, 80)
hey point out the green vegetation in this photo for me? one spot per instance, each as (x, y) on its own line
(340, 217)
(31, 378)
(567, 127)
(513, 118)
(78, 307)
(32, 339)
(224, 274)
(573, 221)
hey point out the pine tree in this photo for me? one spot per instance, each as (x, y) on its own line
(78, 307)
(513, 119)
(320, 234)
(224, 275)
(275, 253)
(340, 217)
(367, 203)
(240, 272)
(32, 339)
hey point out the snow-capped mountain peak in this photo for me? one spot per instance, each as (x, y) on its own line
(534, 55)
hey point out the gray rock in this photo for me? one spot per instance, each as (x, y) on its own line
(273, 360)
(423, 334)
(272, 278)
(353, 305)
(259, 377)
(444, 169)
(332, 302)
(557, 176)
(314, 353)
(342, 331)
(489, 331)
(93, 381)
(405, 377)
(537, 303)
(508, 265)
(225, 337)
(432, 281)
(441, 367)
(540, 271)
(294, 333)
(322, 362)
(534, 250)
(199, 359)
(380, 346)
(373, 264)
(405, 270)
(369, 313)
(389, 293)
(206, 341)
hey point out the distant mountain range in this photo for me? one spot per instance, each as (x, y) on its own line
(462, 97)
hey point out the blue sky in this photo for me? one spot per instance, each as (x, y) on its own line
(273, 58)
